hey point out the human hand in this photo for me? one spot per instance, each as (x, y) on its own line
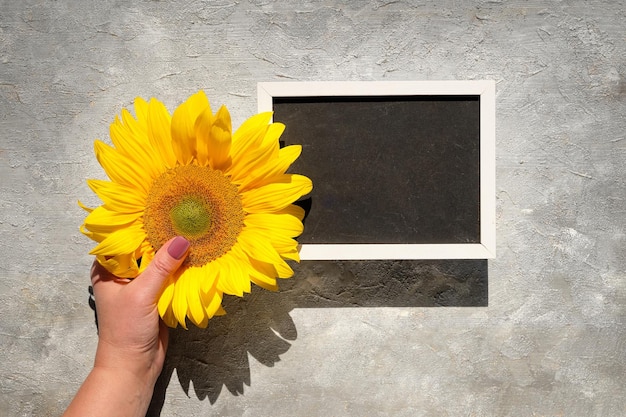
(131, 334)
(132, 339)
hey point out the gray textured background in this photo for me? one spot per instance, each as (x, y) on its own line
(551, 341)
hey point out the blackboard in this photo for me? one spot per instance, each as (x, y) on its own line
(400, 174)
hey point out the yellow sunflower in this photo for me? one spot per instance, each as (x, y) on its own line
(187, 174)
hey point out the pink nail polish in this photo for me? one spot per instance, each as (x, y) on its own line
(178, 247)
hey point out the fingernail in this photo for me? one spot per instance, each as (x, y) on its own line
(178, 247)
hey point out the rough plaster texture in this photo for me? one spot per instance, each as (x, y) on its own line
(549, 342)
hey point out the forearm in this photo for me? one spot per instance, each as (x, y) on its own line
(112, 392)
(120, 384)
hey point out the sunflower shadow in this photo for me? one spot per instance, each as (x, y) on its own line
(217, 357)
(259, 325)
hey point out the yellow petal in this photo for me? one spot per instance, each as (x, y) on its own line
(84, 207)
(102, 219)
(279, 229)
(270, 286)
(293, 255)
(204, 122)
(210, 296)
(250, 132)
(239, 271)
(233, 277)
(141, 112)
(121, 241)
(286, 224)
(209, 280)
(276, 196)
(118, 197)
(276, 167)
(96, 236)
(224, 283)
(213, 139)
(165, 300)
(283, 243)
(134, 145)
(138, 126)
(196, 311)
(263, 274)
(293, 210)
(168, 317)
(179, 300)
(120, 168)
(260, 153)
(220, 140)
(284, 270)
(147, 255)
(212, 302)
(123, 266)
(159, 133)
(183, 126)
(258, 247)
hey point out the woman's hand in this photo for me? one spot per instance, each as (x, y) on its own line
(132, 338)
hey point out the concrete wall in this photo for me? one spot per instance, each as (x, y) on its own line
(549, 342)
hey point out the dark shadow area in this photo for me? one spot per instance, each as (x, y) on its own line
(259, 325)
(400, 283)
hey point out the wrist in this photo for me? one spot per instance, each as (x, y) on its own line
(142, 366)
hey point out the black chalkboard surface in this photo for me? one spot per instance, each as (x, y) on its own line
(388, 169)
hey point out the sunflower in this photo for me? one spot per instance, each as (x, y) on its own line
(187, 174)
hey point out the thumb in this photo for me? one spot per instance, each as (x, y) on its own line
(166, 261)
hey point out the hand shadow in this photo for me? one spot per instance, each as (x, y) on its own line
(260, 325)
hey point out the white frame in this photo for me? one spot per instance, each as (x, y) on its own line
(486, 249)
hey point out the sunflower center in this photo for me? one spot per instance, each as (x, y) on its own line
(191, 217)
(198, 203)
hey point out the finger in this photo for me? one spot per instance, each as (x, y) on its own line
(166, 261)
(100, 274)
(103, 282)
